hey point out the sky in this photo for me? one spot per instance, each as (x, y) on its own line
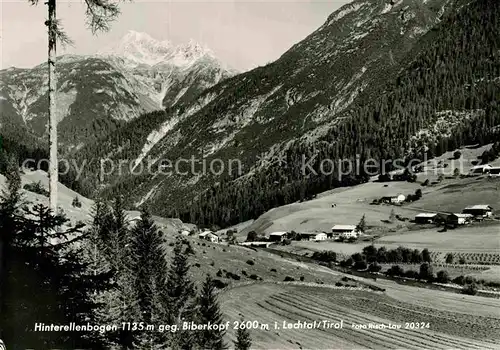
(242, 34)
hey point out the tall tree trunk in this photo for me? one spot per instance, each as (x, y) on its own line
(53, 165)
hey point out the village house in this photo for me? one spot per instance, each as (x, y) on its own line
(456, 219)
(483, 210)
(394, 199)
(277, 236)
(209, 236)
(185, 232)
(340, 230)
(425, 218)
(494, 172)
(313, 236)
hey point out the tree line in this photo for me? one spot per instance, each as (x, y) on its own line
(452, 68)
(112, 272)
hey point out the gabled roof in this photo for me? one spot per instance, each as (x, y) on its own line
(344, 227)
(479, 207)
(458, 215)
(426, 215)
(281, 233)
(311, 233)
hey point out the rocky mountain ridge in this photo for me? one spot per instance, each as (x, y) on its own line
(99, 93)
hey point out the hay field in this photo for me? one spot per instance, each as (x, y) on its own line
(268, 303)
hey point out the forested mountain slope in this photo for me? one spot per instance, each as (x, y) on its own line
(448, 95)
(359, 47)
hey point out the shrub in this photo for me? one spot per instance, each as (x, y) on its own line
(457, 155)
(338, 284)
(251, 236)
(302, 278)
(460, 280)
(426, 256)
(469, 280)
(197, 265)
(425, 183)
(219, 273)
(233, 276)
(244, 273)
(352, 240)
(426, 272)
(374, 267)
(273, 270)
(189, 250)
(360, 265)
(212, 263)
(219, 284)
(325, 256)
(395, 270)
(418, 193)
(470, 289)
(289, 279)
(347, 263)
(461, 261)
(250, 262)
(411, 274)
(287, 242)
(357, 257)
(449, 258)
(36, 187)
(255, 277)
(442, 277)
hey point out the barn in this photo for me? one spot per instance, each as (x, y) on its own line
(425, 218)
(277, 236)
(494, 172)
(483, 210)
(313, 236)
(341, 230)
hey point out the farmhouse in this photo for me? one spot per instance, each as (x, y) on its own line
(425, 218)
(212, 237)
(209, 236)
(313, 236)
(340, 230)
(483, 210)
(277, 236)
(459, 219)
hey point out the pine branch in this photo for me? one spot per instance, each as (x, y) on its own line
(100, 14)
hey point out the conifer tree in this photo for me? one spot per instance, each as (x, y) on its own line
(180, 294)
(243, 340)
(57, 272)
(361, 227)
(149, 267)
(209, 312)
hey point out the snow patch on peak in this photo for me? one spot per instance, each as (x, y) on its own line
(344, 11)
(142, 49)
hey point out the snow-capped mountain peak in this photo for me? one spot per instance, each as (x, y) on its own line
(141, 48)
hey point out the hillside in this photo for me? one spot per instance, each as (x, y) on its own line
(358, 48)
(446, 96)
(84, 213)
